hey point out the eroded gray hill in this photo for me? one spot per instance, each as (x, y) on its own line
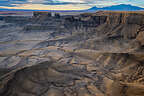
(90, 54)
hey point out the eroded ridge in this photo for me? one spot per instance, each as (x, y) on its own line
(84, 73)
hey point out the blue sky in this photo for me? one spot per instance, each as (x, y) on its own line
(64, 4)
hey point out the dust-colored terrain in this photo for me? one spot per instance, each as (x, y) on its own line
(89, 54)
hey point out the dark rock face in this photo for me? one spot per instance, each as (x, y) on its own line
(18, 20)
(91, 54)
(87, 21)
(38, 14)
(1, 17)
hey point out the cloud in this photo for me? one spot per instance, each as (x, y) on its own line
(64, 2)
(80, 3)
(49, 7)
(11, 3)
(57, 2)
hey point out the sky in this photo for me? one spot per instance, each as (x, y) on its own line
(64, 4)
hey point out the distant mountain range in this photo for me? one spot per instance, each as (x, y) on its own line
(121, 7)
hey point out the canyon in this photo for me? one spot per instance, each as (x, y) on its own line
(87, 54)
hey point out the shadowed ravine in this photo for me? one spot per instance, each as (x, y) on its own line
(90, 54)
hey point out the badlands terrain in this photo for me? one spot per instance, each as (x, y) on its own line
(88, 54)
